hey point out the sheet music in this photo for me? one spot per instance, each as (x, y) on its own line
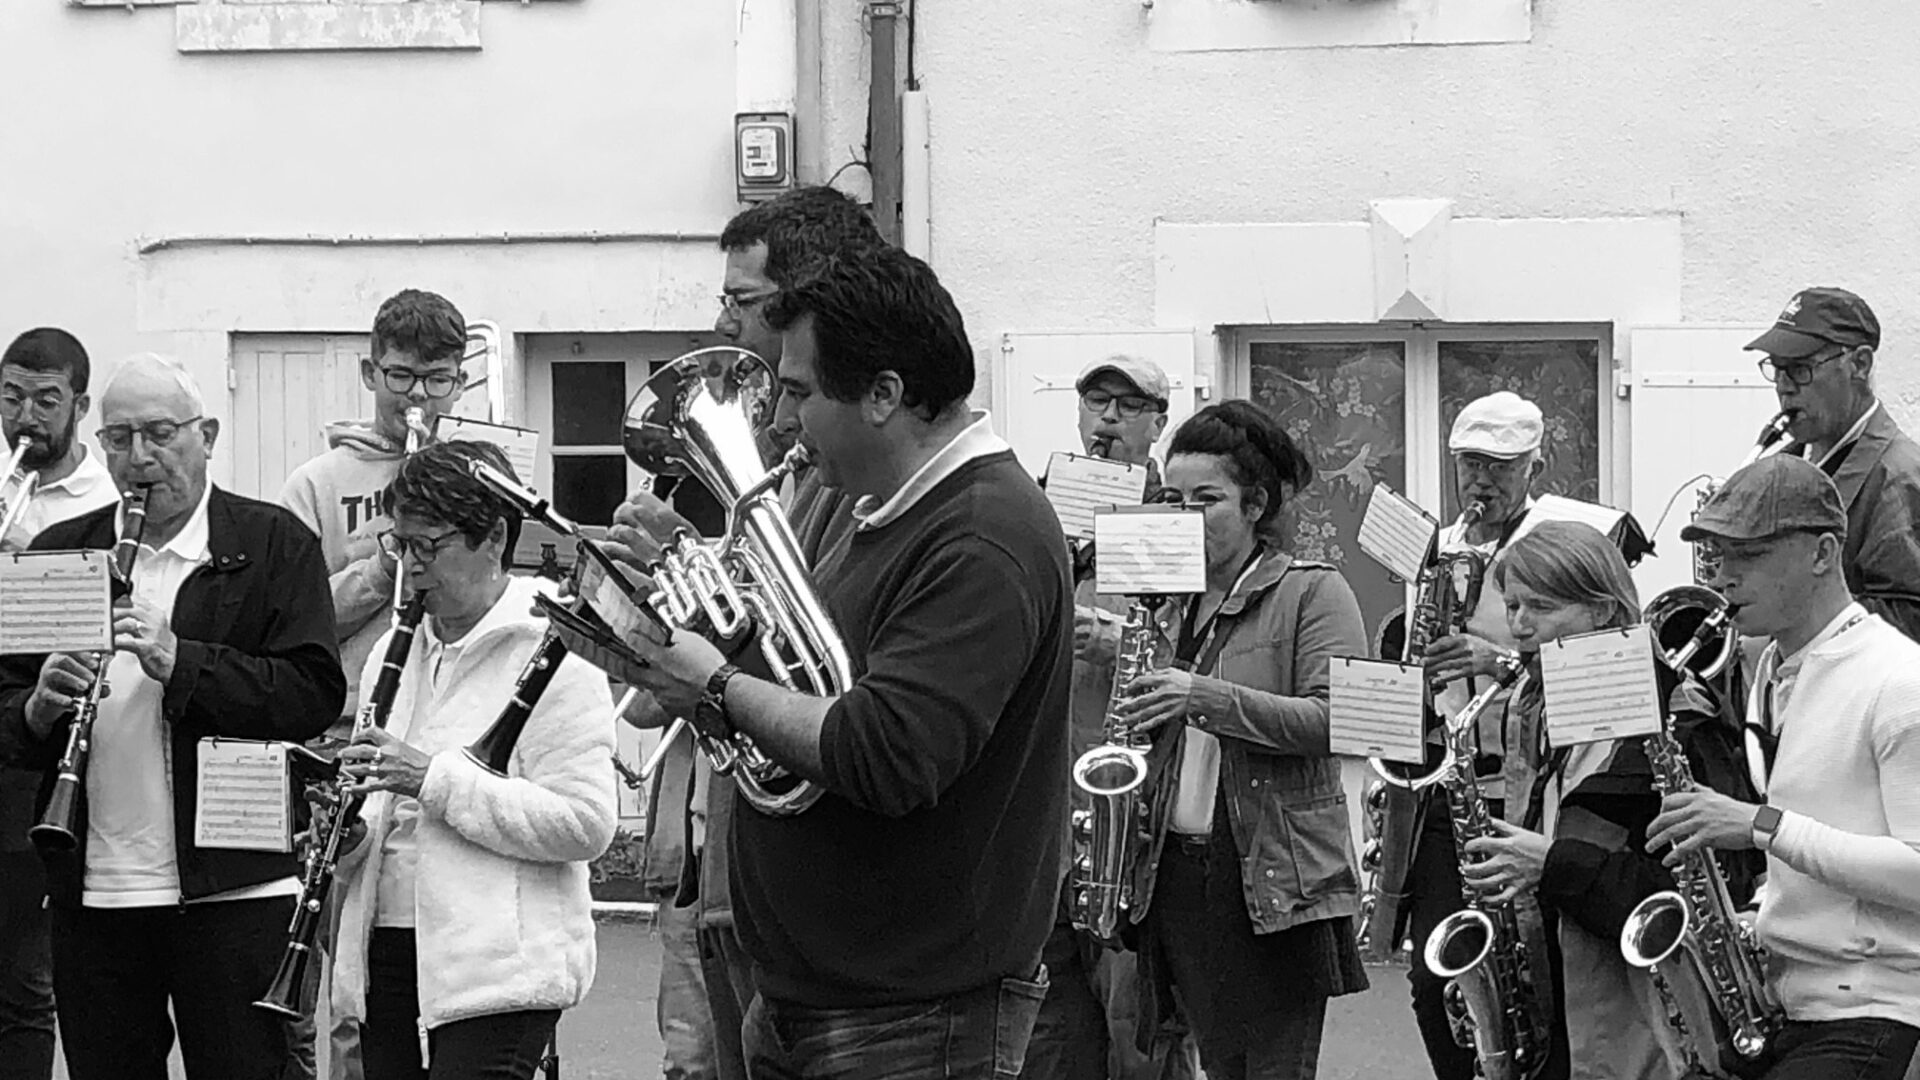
(1397, 533)
(55, 601)
(522, 445)
(1557, 508)
(243, 799)
(622, 614)
(1600, 686)
(1377, 709)
(1079, 486)
(1150, 550)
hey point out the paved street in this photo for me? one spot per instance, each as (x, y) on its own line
(613, 1036)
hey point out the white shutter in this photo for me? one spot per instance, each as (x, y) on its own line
(1697, 401)
(286, 389)
(1035, 406)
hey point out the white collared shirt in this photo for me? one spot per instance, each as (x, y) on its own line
(1776, 677)
(976, 440)
(88, 487)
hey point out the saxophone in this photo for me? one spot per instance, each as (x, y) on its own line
(1718, 1002)
(1488, 949)
(1112, 837)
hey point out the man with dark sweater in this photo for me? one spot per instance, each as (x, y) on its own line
(896, 926)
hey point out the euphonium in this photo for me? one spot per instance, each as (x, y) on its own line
(1487, 950)
(18, 487)
(698, 416)
(58, 829)
(283, 996)
(1718, 1001)
(1112, 836)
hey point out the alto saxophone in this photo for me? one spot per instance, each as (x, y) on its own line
(1488, 949)
(1112, 836)
(1718, 1002)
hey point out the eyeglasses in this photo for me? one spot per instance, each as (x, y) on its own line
(422, 549)
(1131, 405)
(1486, 466)
(119, 437)
(1796, 373)
(733, 305)
(400, 380)
(44, 405)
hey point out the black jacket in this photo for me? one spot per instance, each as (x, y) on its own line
(258, 659)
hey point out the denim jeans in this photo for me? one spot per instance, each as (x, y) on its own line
(681, 1008)
(978, 1035)
(1862, 1049)
(728, 975)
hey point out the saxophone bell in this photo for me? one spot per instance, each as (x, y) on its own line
(1690, 628)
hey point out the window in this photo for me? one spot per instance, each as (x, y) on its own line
(1356, 399)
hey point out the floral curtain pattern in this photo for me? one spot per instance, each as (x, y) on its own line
(1344, 403)
(1562, 377)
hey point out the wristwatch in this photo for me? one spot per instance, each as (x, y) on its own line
(710, 714)
(1766, 821)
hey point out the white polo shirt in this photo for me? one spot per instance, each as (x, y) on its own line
(88, 487)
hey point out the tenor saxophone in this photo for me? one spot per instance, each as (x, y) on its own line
(1487, 950)
(1717, 1000)
(1112, 836)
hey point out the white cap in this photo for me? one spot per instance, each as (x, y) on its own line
(1500, 425)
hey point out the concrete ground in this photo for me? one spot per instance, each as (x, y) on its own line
(613, 1035)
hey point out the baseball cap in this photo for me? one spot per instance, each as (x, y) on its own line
(1777, 494)
(1816, 318)
(1144, 374)
(1501, 425)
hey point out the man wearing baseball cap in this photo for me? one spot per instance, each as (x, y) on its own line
(1820, 356)
(1834, 718)
(1089, 1021)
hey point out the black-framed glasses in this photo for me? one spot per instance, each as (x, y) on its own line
(1131, 405)
(119, 437)
(734, 306)
(422, 549)
(1798, 374)
(400, 380)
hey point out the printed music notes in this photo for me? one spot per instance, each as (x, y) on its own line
(243, 799)
(1150, 550)
(1078, 487)
(55, 601)
(522, 445)
(1600, 686)
(1397, 533)
(1377, 709)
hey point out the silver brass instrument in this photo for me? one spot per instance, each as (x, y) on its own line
(1772, 437)
(1487, 950)
(18, 487)
(416, 418)
(1113, 836)
(697, 416)
(1717, 998)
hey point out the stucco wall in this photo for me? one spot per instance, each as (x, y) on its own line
(1783, 135)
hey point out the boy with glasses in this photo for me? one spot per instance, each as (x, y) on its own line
(419, 339)
(1819, 357)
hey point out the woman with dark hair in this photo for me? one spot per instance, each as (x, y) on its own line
(1249, 892)
(465, 925)
(1583, 811)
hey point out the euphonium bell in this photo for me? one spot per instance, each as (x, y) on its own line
(701, 416)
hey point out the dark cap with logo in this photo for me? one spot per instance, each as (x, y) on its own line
(1778, 494)
(1816, 319)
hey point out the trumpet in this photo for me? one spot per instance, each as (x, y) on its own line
(59, 827)
(19, 487)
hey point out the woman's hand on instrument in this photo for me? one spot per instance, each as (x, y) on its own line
(65, 679)
(1458, 656)
(1702, 818)
(1508, 864)
(379, 762)
(1096, 634)
(143, 630)
(1157, 698)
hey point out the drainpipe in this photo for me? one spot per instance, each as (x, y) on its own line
(766, 87)
(916, 211)
(883, 116)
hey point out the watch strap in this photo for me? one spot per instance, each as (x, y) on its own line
(710, 715)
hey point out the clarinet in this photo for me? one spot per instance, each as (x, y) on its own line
(59, 828)
(493, 750)
(284, 995)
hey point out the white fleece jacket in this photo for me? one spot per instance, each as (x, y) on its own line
(502, 915)
(1841, 914)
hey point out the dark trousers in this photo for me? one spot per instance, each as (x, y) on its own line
(1840, 1050)
(1433, 893)
(116, 971)
(729, 979)
(26, 969)
(1087, 1026)
(498, 1046)
(978, 1035)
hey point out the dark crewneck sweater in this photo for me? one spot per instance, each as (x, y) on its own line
(931, 865)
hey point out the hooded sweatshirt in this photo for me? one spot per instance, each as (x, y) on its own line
(337, 495)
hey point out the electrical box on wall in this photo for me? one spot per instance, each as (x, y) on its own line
(762, 154)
